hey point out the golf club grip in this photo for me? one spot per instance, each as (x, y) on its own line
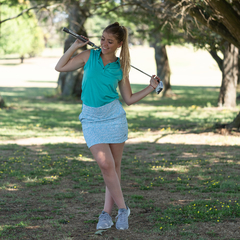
(78, 36)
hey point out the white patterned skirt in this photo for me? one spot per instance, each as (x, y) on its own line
(105, 124)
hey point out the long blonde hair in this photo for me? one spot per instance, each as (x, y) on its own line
(121, 34)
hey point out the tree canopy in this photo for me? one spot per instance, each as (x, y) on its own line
(21, 35)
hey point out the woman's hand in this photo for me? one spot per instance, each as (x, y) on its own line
(78, 43)
(154, 81)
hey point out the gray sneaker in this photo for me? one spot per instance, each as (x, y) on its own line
(122, 218)
(105, 221)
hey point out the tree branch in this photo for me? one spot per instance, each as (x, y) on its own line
(227, 16)
(216, 58)
(236, 5)
(209, 22)
(24, 11)
(41, 6)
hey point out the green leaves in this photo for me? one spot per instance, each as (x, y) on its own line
(20, 35)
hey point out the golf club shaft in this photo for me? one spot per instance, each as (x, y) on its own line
(141, 71)
(93, 45)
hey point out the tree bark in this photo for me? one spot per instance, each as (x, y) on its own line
(238, 97)
(218, 60)
(235, 123)
(201, 16)
(69, 83)
(238, 67)
(227, 96)
(227, 15)
(163, 68)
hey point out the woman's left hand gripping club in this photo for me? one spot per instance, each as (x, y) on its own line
(154, 81)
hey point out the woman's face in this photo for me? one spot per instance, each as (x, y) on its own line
(109, 43)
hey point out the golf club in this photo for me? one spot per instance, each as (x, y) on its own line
(158, 89)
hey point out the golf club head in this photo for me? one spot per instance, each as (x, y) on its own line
(159, 87)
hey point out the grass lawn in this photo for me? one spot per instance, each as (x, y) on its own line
(179, 176)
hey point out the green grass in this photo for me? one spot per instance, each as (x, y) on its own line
(48, 117)
(199, 211)
(55, 191)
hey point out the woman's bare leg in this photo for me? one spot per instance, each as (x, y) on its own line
(104, 157)
(117, 151)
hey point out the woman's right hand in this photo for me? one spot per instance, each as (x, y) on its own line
(78, 43)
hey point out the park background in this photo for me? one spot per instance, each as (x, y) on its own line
(180, 171)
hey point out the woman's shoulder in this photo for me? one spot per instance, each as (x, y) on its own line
(92, 52)
(85, 55)
(86, 52)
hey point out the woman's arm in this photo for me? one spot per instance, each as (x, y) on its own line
(67, 64)
(129, 97)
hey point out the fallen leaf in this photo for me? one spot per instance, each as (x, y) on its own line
(99, 232)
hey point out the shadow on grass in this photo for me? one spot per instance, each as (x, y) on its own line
(187, 96)
(58, 188)
(11, 64)
(37, 110)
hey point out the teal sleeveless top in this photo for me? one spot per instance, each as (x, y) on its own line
(99, 84)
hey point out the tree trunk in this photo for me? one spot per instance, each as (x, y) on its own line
(22, 58)
(70, 83)
(238, 67)
(227, 96)
(2, 103)
(238, 97)
(163, 68)
(235, 123)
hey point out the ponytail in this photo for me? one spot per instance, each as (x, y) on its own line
(125, 55)
(121, 34)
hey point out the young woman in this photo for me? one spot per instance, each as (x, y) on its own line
(103, 119)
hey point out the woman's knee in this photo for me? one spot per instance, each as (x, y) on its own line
(106, 166)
